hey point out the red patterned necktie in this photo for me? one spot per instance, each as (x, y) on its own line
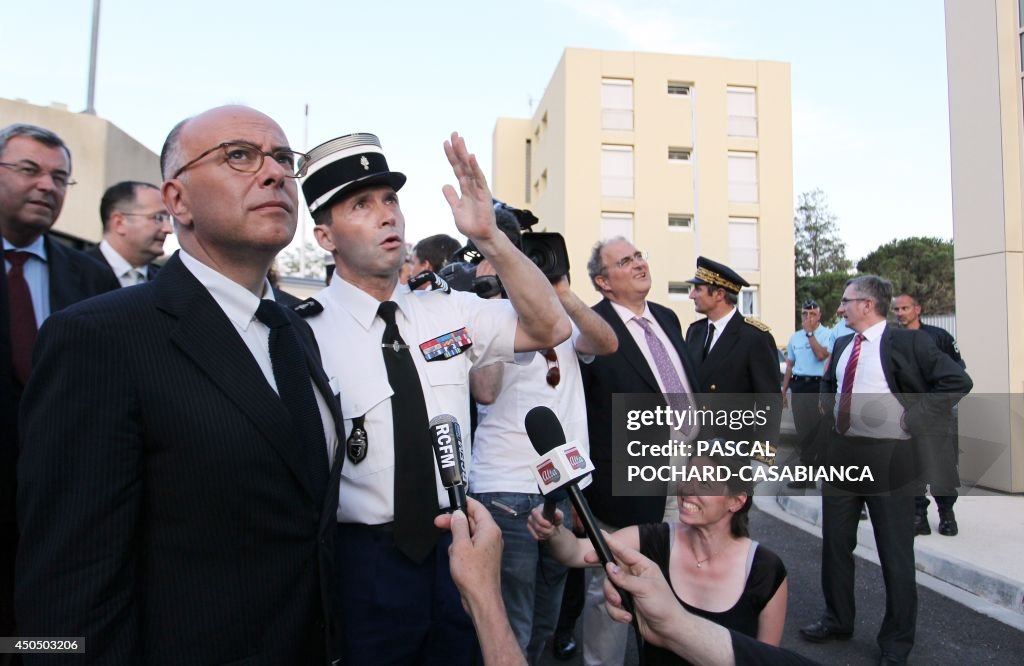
(22, 316)
(846, 396)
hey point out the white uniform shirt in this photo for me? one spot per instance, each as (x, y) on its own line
(503, 452)
(874, 410)
(349, 333)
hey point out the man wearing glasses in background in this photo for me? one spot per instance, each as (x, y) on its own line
(189, 519)
(135, 225)
(40, 276)
(651, 360)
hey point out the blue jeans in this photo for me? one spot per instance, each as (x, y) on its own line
(531, 578)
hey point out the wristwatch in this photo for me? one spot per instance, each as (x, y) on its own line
(810, 334)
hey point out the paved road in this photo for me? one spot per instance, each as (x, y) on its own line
(947, 632)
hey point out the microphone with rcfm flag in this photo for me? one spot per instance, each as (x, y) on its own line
(562, 466)
(446, 436)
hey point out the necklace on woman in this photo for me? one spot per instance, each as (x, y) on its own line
(700, 563)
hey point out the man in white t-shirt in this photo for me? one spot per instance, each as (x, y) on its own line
(501, 479)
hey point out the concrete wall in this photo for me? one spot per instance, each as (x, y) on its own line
(985, 117)
(101, 155)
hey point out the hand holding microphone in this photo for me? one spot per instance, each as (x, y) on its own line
(446, 437)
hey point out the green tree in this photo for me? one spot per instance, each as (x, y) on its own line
(826, 289)
(818, 248)
(920, 266)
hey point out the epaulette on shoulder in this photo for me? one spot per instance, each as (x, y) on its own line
(758, 324)
(308, 308)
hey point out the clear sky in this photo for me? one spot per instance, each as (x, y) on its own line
(870, 112)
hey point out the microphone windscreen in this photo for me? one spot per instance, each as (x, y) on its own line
(544, 430)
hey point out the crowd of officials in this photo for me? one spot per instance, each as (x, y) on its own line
(196, 473)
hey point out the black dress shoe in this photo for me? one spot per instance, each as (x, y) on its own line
(921, 527)
(947, 524)
(891, 660)
(563, 646)
(819, 632)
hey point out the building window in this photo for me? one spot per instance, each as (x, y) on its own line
(617, 224)
(617, 104)
(742, 106)
(617, 171)
(679, 88)
(678, 222)
(678, 291)
(748, 303)
(743, 177)
(744, 254)
(678, 154)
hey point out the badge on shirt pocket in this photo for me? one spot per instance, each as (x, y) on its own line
(446, 346)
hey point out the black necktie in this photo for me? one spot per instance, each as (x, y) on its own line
(291, 373)
(415, 490)
(707, 343)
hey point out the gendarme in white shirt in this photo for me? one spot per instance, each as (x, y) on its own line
(349, 334)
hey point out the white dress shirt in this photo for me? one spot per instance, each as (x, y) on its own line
(720, 325)
(874, 410)
(127, 274)
(640, 337)
(37, 276)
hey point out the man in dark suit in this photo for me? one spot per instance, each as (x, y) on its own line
(735, 356)
(908, 312)
(40, 276)
(651, 360)
(187, 520)
(895, 392)
(135, 225)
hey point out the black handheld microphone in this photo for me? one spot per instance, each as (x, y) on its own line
(546, 434)
(446, 437)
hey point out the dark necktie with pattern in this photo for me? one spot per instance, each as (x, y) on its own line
(22, 316)
(294, 386)
(415, 489)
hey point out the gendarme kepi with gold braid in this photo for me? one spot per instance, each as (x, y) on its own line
(718, 275)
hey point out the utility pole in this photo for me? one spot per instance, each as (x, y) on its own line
(90, 104)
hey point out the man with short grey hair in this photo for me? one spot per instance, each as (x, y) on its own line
(886, 421)
(40, 276)
(651, 359)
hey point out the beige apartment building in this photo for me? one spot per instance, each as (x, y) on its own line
(101, 154)
(984, 46)
(683, 155)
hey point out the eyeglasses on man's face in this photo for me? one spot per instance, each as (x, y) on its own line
(846, 301)
(155, 218)
(627, 262)
(31, 170)
(247, 158)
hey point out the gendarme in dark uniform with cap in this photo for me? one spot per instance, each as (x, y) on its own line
(732, 354)
(396, 360)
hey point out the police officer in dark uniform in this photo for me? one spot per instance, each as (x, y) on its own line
(908, 312)
(733, 354)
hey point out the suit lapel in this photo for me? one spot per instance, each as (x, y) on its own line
(888, 366)
(65, 282)
(206, 337)
(723, 346)
(628, 348)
